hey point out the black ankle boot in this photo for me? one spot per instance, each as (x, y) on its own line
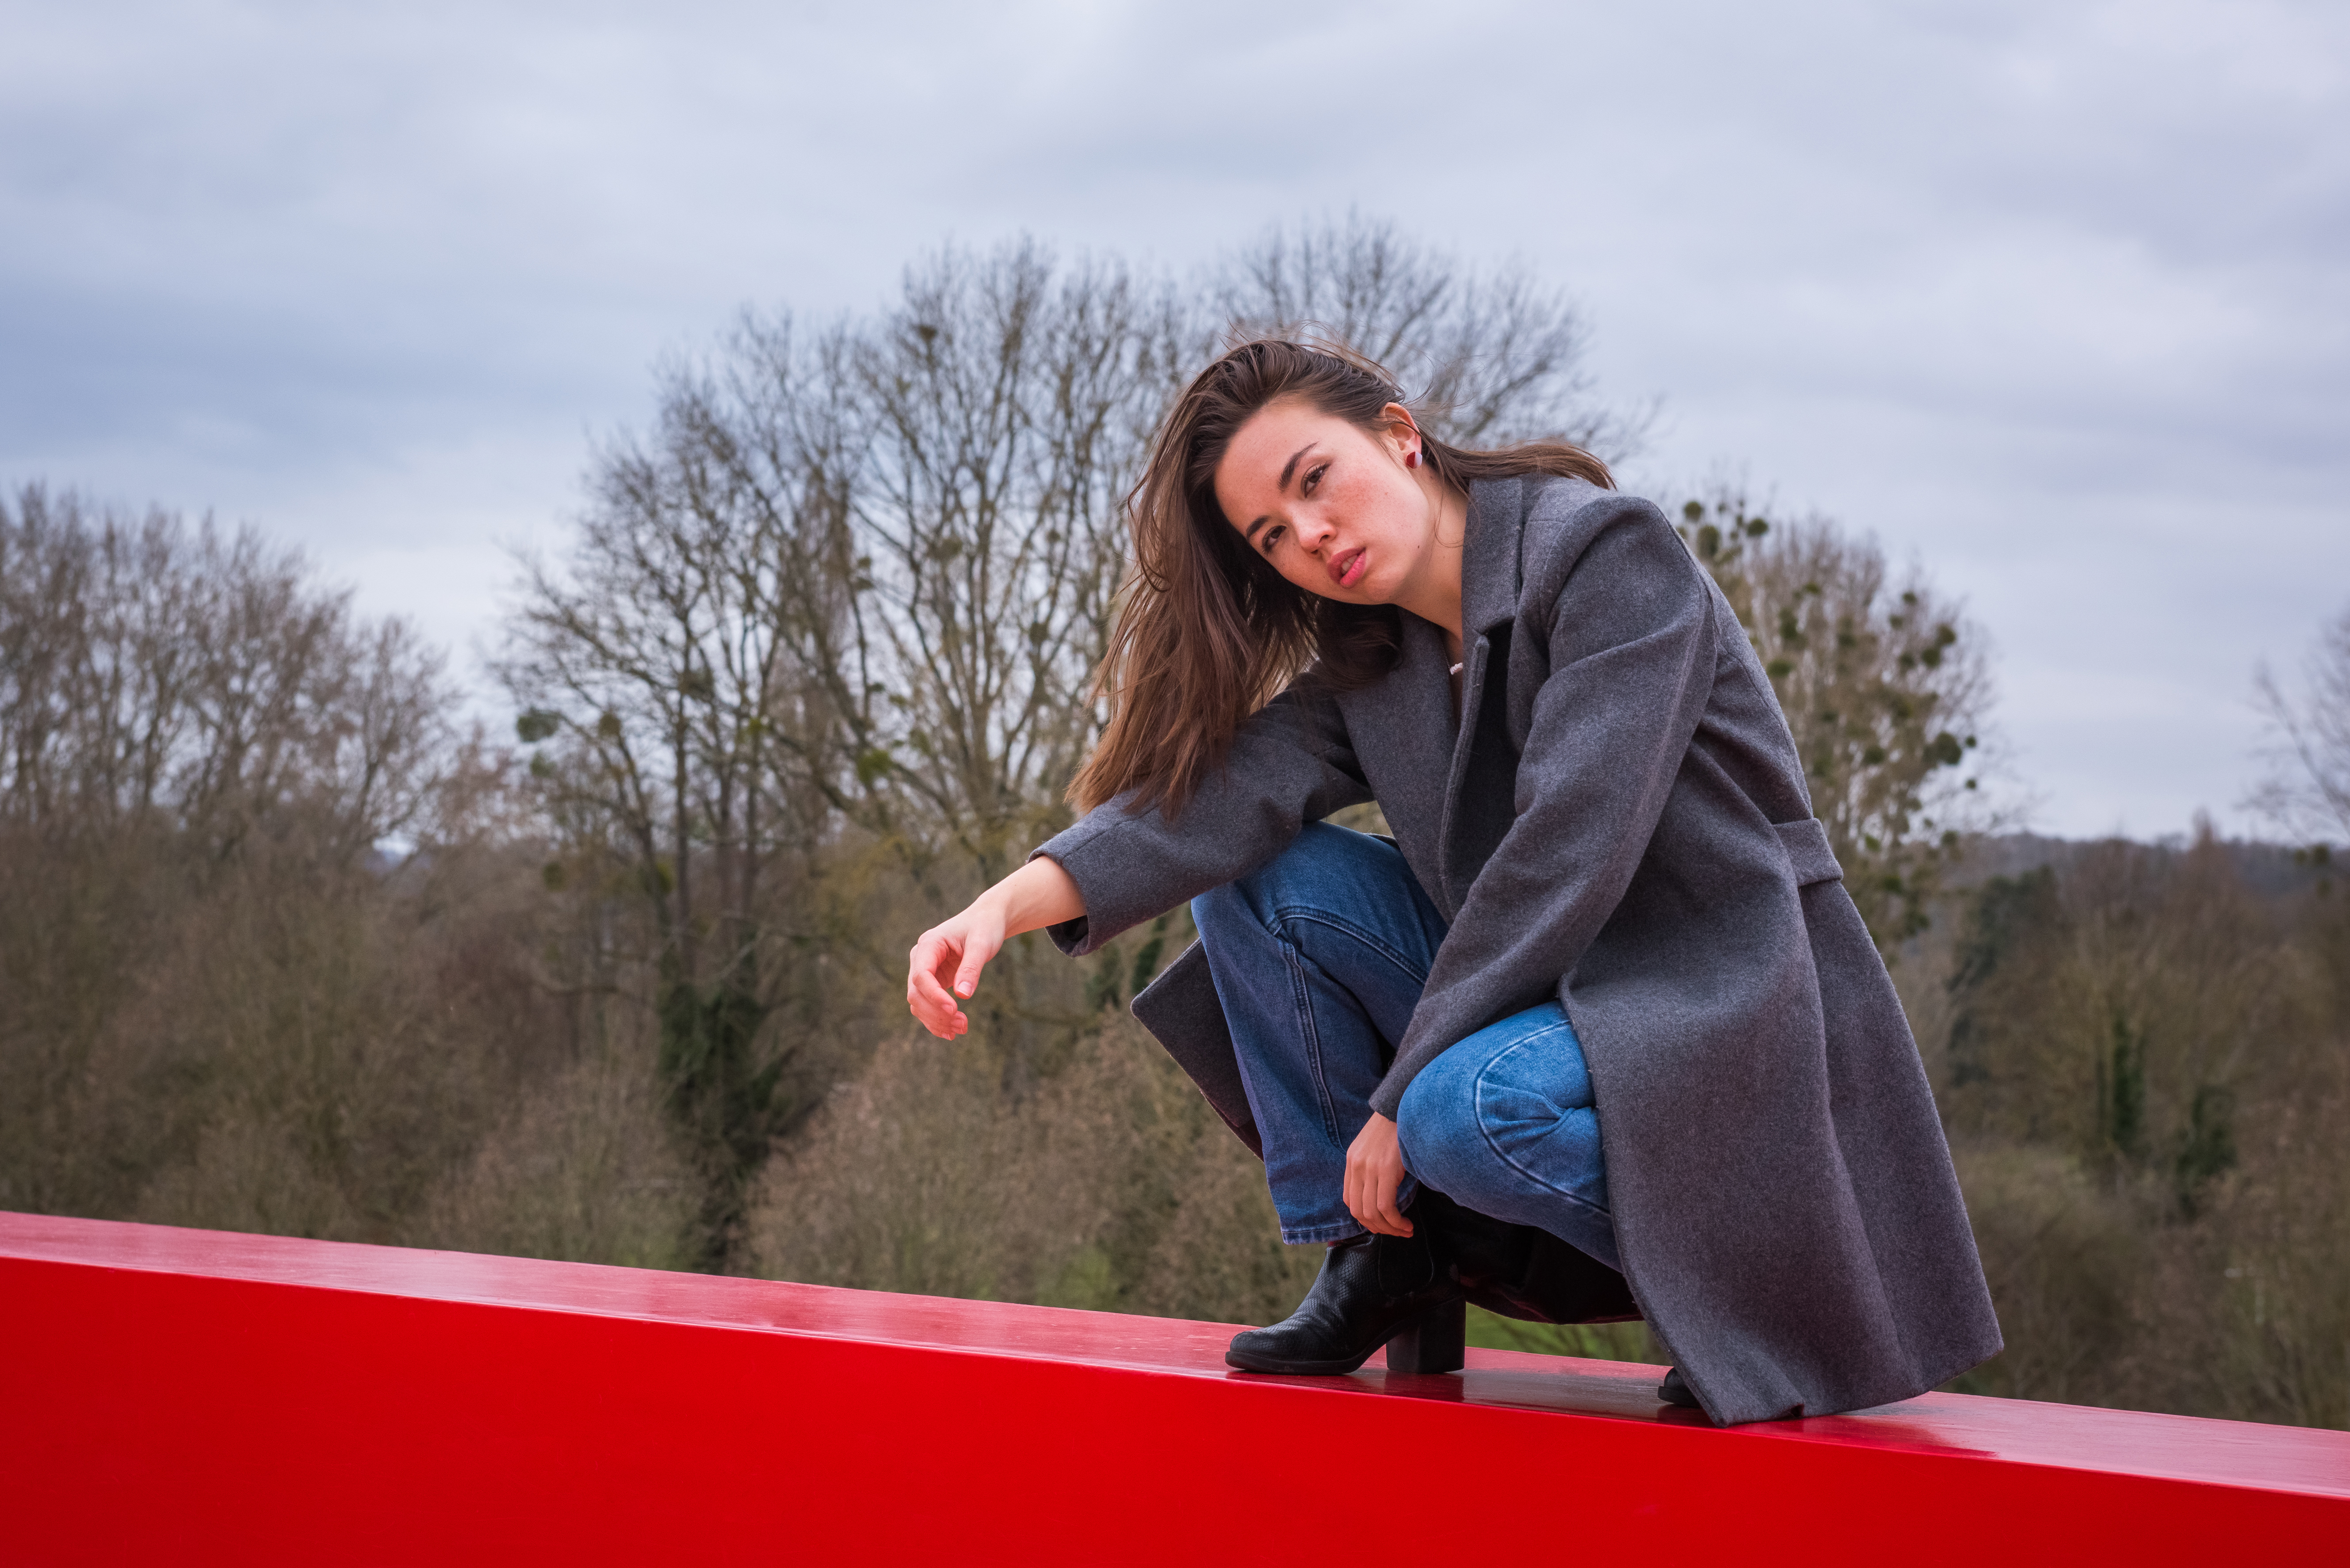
(1370, 1288)
(1482, 1254)
(1518, 1271)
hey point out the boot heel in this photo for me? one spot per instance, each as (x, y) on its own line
(1437, 1343)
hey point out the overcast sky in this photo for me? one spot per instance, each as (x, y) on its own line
(2054, 299)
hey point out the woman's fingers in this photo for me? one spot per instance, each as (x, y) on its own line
(975, 956)
(951, 955)
(1374, 1173)
(944, 965)
(926, 995)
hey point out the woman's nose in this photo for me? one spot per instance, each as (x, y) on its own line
(1313, 533)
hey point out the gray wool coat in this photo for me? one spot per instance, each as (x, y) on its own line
(1620, 821)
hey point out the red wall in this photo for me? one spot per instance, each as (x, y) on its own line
(186, 1397)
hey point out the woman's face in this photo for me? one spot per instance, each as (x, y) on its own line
(1330, 505)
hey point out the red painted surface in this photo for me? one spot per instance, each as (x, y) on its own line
(193, 1397)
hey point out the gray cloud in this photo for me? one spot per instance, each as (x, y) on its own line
(2053, 298)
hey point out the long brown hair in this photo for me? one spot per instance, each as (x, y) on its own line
(1207, 631)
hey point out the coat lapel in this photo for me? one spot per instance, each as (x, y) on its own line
(1480, 787)
(1401, 726)
(1493, 562)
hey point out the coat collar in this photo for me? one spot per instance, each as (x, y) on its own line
(1493, 557)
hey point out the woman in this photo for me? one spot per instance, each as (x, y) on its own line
(1600, 1028)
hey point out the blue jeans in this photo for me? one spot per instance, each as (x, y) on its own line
(1319, 959)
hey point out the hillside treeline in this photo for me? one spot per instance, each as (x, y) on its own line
(288, 944)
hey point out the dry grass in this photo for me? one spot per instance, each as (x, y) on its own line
(1110, 1187)
(585, 1169)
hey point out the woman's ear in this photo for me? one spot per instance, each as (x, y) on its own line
(1402, 435)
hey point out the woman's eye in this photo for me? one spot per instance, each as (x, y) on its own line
(1269, 535)
(1313, 477)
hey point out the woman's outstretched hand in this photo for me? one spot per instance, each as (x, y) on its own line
(945, 964)
(1374, 1172)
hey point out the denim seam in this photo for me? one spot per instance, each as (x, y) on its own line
(1502, 1154)
(1301, 997)
(1306, 912)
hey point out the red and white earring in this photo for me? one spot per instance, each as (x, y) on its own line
(1411, 458)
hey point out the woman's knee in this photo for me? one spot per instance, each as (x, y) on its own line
(1530, 1065)
(1437, 1124)
(1507, 1087)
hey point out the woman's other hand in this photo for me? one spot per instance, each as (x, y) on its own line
(945, 964)
(1374, 1171)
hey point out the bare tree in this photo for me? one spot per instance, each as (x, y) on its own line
(2307, 790)
(1885, 686)
(1489, 356)
(683, 662)
(195, 737)
(856, 583)
(150, 673)
(1012, 403)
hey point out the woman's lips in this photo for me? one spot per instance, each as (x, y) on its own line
(1347, 568)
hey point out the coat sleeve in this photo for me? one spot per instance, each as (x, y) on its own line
(1291, 764)
(1631, 650)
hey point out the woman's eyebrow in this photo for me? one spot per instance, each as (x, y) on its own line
(1291, 466)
